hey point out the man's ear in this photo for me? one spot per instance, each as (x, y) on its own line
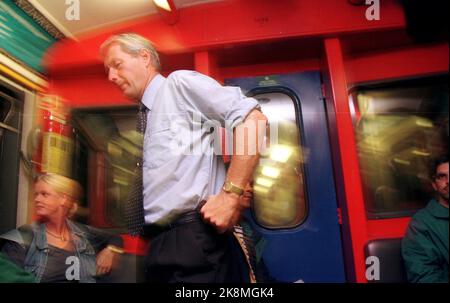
(434, 185)
(145, 56)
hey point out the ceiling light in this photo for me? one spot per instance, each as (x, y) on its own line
(164, 4)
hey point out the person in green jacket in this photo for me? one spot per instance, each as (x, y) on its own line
(425, 245)
(11, 273)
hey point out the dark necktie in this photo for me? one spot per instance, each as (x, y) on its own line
(134, 206)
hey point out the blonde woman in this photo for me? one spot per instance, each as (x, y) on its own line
(54, 248)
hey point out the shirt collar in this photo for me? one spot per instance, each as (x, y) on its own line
(150, 91)
(437, 210)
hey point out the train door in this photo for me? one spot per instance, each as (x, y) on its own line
(294, 213)
(11, 108)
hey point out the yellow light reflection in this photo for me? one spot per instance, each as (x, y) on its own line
(264, 182)
(420, 153)
(281, 153)
(424, 123)
(260, 189)
(401, 161)
(270, 172)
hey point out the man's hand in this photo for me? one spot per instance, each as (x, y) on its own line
(247, 197)
(222, 211)
(105, 262)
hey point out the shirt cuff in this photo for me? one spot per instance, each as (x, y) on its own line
(239, 115)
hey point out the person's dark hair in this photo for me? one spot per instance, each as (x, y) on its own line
(438, 161)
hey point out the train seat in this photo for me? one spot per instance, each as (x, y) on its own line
(389, 254)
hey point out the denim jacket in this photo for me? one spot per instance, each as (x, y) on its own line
(33, 238)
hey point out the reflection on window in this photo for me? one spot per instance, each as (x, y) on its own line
(11, 109)
(399, 130)
(112, 133)
(123, 148)
(278, 184)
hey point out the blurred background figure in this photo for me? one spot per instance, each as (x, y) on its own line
(11, 273)
(55, 248)
(425, 245)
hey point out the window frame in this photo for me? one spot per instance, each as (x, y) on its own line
(418, 81)
(301, 135)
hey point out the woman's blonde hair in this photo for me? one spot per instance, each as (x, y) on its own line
(132, 43)
(64, 186)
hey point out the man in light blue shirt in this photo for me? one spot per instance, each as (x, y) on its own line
(182, 165)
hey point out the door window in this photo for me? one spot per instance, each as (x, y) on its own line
(279, 182)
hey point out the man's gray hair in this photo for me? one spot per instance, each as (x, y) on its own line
(132, 43)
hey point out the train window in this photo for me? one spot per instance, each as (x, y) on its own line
(112, 133)
(123, 149)
(11, 108)
(79, 172)
(278, 183)
(399, 129)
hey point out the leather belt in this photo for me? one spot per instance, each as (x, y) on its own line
(153, 230)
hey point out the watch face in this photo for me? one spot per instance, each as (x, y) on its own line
(231, 188)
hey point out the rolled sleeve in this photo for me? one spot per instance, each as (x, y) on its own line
(202, 94)
(238, 113)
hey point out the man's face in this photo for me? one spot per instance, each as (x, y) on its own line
(129, 72)
(440, 182)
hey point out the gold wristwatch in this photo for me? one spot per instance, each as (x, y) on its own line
(229, 187)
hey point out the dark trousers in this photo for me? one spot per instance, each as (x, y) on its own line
(195, 253)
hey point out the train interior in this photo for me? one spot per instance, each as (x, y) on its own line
(359, 107)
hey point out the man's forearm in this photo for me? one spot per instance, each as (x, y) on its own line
(246, 152)
(224, 210)
(241, 169)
